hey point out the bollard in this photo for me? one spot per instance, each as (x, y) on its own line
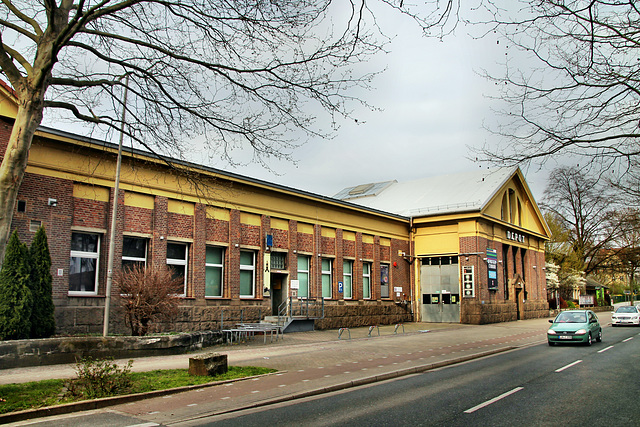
(341, 330)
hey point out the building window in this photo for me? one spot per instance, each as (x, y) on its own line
(214, 269)
(303, 275)
(347, 279)
(384, 280)
(177, 260)
(83, 269)
(134, 252)
(366, 280)
(22, 206)
(278, 261)
(247, 274)
(34, 225)
(326, 278)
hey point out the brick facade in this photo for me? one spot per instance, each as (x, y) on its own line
(84, 314)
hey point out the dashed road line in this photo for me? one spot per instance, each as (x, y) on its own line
(495, 399)
(568, 366)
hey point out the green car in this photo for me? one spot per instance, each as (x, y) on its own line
(574, 326)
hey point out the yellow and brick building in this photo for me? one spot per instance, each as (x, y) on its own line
(246, 249)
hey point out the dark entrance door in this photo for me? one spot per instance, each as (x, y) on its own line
(278, 291)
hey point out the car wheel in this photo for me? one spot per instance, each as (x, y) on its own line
(589, 340)
(599, 337)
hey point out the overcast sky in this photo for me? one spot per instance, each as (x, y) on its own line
(434, 104)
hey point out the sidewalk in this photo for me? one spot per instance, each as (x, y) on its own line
(309, 363)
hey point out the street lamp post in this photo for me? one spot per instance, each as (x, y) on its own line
(114, 214)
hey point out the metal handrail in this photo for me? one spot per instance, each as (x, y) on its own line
(311, 308)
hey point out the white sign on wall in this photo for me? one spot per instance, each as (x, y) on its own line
(295, 284)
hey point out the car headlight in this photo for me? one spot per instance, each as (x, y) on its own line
(551, 332)
(581, 331)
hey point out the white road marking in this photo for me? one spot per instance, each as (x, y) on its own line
(605, 349)
(495, 399)
(144, 425)
(628, 339)
(569, 365)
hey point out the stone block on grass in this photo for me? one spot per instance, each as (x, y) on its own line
(210, 364)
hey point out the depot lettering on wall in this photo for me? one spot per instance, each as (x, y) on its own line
(516, 237)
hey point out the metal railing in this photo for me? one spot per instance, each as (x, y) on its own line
(309, 308)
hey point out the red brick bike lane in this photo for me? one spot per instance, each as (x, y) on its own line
(313, 368)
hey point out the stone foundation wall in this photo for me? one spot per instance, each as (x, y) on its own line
(86, 317)
(346, 314)
(480, 314)
(51, 351)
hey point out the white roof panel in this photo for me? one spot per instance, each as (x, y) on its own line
(469, 191)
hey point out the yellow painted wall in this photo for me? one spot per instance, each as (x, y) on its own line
(217, 213)
(139, 200)
(305, 228)
(8, 105)
(349, 235)
(442, 239)
(279, 224)
(91, 192)
(180, 207)
(95, 167)
(250, 219)
(328, 232)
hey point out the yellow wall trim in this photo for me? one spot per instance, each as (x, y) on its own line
(180, 207)
(279, 224)
(90, 192)
(349, 235)
(250, 219)
(138, 200)
(328, 232)
(217, 213)
(305, 228)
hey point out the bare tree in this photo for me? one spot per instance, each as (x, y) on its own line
(625, 254)
(148, 295)
(571, 82)
(233, 73)
(582, 209)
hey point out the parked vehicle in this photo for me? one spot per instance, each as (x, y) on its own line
(574, 326)
(626, 315)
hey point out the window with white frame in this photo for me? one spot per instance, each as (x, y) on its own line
(366, 280)
(347, 279)
(303, 275)
(214, 271)
(247, 274)
(83, 268)
(326, 277)
(134, 252)
(178, 261)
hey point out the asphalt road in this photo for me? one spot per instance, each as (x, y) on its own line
(538, 385)
(532, 385)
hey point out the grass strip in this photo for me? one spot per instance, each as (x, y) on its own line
(36, 394)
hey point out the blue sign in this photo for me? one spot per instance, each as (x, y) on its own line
(340, 287)
(492, 269)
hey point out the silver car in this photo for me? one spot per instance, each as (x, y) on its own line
(626, 315)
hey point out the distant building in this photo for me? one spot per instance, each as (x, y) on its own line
(467, 248)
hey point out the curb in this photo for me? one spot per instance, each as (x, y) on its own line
(87, 405)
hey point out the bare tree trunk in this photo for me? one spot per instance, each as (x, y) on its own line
(14, 162)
